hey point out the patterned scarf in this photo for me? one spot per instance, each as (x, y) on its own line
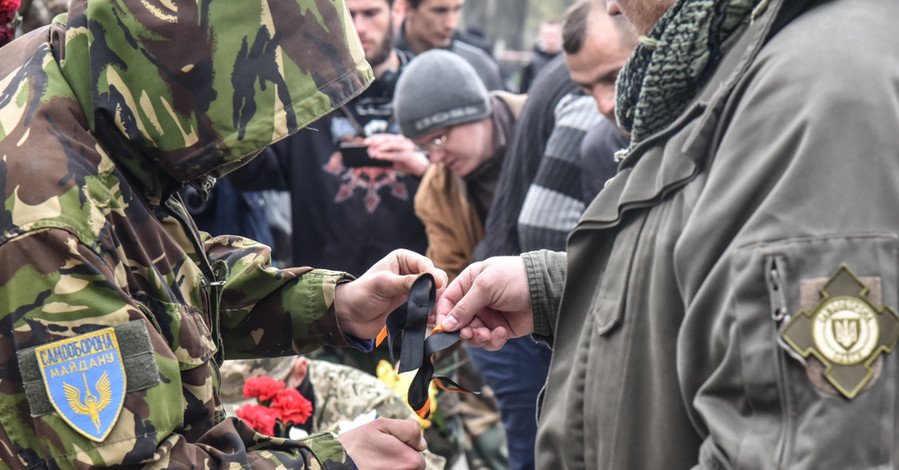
(675, 59)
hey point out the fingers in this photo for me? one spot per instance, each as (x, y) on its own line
(450, 298)
(385, 142)
(410, 262)
(491, 340)
(389, 147)
(386, 443)
(462, 301)
(407, 431)
(401, 151)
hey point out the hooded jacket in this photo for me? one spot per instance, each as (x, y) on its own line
(115, 309)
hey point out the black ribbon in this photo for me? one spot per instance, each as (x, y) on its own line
(408, 324)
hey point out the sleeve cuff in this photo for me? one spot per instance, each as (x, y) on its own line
(329, 452)
(546, 279)
(364, 345)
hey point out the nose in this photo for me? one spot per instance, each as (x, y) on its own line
(452, 20)
(359, 24)
(436, 154)
(605, 102)
(612, 7)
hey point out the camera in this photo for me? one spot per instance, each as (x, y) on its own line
(356, 155)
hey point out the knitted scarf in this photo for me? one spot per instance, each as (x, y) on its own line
(675, 59)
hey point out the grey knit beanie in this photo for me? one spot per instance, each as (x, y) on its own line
(438, 89)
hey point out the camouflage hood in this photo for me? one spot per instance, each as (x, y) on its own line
(191, 87)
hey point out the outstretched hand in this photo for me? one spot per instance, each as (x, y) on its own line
(488, 303)
(396, 444)
(362, 305)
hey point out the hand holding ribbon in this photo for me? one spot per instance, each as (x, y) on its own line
(488, 303)
(408, 324)
(363, 305)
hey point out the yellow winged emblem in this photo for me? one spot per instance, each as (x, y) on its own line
(91, 406)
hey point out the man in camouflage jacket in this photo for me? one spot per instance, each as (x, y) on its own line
(115, 310)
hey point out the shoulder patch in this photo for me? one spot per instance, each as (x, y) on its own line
(845, 331)
(85, 381)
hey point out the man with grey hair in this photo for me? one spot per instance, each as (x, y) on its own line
(713, 310)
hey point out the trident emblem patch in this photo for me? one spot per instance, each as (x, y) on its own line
(845, 332)
(85, 381)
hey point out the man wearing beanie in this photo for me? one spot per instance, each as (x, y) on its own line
(444, 107)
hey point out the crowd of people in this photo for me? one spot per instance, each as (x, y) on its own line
(653, 244)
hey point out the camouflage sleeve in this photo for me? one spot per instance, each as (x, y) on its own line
(145, 397)
(285, 311)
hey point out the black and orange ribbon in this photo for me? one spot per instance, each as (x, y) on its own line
(409, 324)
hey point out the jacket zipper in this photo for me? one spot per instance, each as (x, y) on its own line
(774, 268)
(210, 286)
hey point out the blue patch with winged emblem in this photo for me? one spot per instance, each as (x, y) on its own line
(85, 381)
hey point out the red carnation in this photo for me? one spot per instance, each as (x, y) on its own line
(262, 388)
(9, 5)
(259, 417)
(7, 14)
(292, 407)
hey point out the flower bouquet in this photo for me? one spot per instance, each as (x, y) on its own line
(277, 409)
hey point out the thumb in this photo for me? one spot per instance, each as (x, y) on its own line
(464, 310)
(395, 285)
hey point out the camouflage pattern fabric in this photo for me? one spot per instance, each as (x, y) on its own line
(104, 115)
(468, 426)
(342, 393)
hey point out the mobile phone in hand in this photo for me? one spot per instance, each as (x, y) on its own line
(356, 155)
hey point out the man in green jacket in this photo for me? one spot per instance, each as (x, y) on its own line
(115, 310)
(728, 300)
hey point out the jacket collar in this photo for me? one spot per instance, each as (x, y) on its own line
(672, 157)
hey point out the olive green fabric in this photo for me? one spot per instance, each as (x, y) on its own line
(104, 115)
(683, 270)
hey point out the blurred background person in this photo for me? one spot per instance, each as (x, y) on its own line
(596, 48)
(348, 213)
(430, 24)
(547, 47)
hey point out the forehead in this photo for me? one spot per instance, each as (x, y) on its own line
(603, 50)
(355, 5)
(440, 4)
